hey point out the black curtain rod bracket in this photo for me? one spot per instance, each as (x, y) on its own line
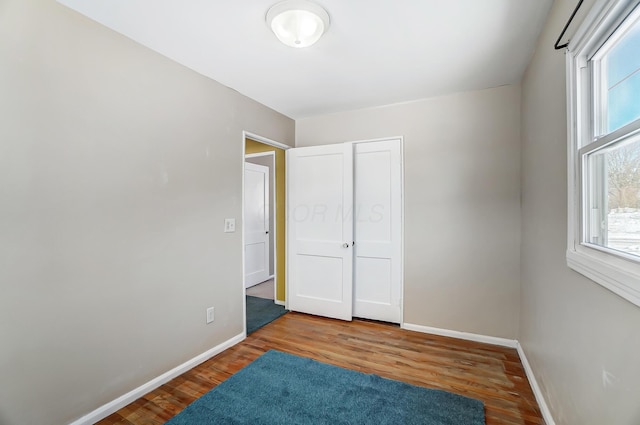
(566, 26)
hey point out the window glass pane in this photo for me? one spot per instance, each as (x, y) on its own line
(623, 79)
(624, 101)
(613, 197)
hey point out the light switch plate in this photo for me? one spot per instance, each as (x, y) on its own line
(229, 225)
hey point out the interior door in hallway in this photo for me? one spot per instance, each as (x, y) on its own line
(378, 231)
(256, 224)
(320, 230)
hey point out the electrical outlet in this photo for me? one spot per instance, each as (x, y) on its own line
(229, 225)
(209, 315)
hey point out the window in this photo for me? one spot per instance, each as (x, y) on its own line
(604, 147)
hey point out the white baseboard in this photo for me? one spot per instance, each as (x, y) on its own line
(120, 402)
(504, 342)
(278, 302)
(542, 403)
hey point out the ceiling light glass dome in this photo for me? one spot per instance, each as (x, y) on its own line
(298, 23)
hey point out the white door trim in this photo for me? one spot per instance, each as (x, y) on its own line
(259, 154)
(265, 140)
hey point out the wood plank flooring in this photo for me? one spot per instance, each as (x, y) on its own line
(486, 372)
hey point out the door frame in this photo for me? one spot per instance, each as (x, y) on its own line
(255, 137)
(272, 210)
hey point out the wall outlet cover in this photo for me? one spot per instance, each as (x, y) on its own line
(229, 225)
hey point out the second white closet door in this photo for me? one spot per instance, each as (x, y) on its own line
(378, 231)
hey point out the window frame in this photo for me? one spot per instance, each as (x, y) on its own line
(616, 271)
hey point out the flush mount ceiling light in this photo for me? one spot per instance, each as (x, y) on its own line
(298, 23)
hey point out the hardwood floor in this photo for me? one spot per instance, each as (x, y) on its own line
(486, 372)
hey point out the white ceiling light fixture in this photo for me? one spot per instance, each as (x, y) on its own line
(298, 23)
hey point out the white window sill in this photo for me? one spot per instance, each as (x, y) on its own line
(617, 275)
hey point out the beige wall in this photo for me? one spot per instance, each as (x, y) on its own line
(119, 166)
(582, 340)
(117, 169)
(462, 203)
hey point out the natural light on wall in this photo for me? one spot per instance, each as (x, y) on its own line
(298, 23)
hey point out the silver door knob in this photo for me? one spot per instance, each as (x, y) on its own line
(345, 245)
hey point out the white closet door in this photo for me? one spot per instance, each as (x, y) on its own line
(256, 224)
(320, 230)
(378, 231)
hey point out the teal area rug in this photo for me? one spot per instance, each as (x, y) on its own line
(261, 311)
(279, 388)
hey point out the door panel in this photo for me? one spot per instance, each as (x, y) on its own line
(313, 273)
(373, 191)
(376, 274)
(320, 201)
(256, 224)
(378, 231)
(320, 230)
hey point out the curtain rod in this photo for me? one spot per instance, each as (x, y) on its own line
(566, 26)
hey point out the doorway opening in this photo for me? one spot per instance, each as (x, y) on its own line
(263, 226)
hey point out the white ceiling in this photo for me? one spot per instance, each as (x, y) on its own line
(376, 52)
